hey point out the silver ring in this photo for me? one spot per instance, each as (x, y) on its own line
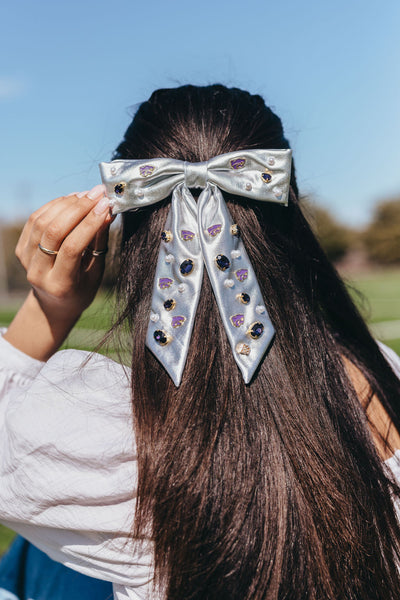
(97, 252)
(47, 251)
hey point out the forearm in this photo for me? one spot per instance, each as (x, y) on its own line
(36, 334)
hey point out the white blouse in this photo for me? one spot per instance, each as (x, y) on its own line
(68, 467)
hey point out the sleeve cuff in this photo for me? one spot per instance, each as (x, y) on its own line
(12, 359)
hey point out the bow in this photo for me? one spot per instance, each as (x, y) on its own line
(202, 233)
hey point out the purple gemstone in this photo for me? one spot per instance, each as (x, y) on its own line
(242, 274)
(187, 235)
(214, 229)
(237, 320)
(165, 282)
(146, 170)
(177, 321)
(238, 163)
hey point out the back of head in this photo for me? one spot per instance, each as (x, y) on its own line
(273, 489)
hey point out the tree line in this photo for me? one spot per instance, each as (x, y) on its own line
(379, 241)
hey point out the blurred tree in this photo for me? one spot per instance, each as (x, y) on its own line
(336, 239)
(382, 236)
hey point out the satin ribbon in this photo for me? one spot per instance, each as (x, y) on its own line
(203, 233)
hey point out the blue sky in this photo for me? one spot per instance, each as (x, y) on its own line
(72, 73)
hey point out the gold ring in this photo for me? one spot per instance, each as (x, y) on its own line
(97, 252)
(47, 251)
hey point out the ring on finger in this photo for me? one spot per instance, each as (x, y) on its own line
(47, 251)
(97, 252)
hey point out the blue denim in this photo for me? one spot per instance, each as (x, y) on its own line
(26, 573)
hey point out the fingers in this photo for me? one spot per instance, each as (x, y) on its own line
(94, 225)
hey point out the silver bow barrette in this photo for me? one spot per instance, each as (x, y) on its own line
(203, 233)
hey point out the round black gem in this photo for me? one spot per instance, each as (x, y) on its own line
(245, 298)
(223, 262)
(169, 304)
(186, 266)
(166, 236)
(256, 330)
(119, 189)
(266, 177)
(160, 337)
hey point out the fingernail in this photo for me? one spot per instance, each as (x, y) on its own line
(81, 194)
(72, 194)
(96, 192)
(102, 206)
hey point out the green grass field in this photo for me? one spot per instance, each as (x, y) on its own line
(379, 303)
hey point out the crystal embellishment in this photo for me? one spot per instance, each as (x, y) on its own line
(243, 298)
(255, 330)
(243, 349)
(169, 304)
(223, 262)
(160, 337)
(266, 176)
(235, 230)
(186, 267)
(120, 188)
(166, 236)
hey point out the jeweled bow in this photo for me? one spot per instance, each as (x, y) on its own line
(202, 233)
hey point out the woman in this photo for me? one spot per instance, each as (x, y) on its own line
(271, 489)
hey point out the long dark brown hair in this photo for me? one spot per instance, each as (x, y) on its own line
(272, 490)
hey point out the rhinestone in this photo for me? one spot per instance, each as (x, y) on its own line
(235, 230)
(169, 304)
(271, 161)
(186, 267)
(260, 309)
(228, 283)
(139, 194)
(113, 170)
(249, 187)
(242, 274)
(119, 188)
(243, 349)
(169, 258)
(166, 236)
(160, 337)
(223, 262)
(235, 253)
(154, 317)
(266, 176)
(243, 298)
(277, 192)
(255, 330)
(181, 288)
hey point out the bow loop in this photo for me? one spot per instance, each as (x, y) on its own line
(203, 233)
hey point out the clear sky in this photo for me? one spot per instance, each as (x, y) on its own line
(72, 72)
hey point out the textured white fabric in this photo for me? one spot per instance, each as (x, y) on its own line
(68, 464)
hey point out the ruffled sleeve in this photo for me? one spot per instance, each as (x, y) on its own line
(68, 467)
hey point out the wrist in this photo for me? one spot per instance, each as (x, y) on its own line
(38, 332)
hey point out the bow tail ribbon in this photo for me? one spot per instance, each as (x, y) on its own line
(205, 233)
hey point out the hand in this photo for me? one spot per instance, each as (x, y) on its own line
(65, 283)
